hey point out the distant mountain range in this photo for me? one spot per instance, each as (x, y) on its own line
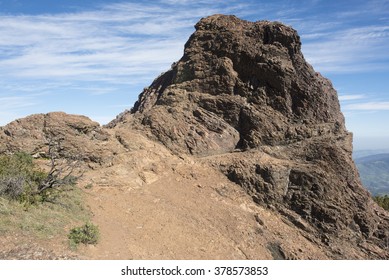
(357, 154)
(374, 171)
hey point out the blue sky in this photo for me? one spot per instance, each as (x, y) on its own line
(95, 57)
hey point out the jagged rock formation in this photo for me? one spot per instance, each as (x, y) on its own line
(246, 85)
(243, 102)
(239, 85)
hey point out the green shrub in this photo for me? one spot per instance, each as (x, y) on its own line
(87, 234)
(21, 179)
(19, 176)
(382, 201)
(23, 184)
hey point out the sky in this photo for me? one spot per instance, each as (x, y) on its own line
(95, 57)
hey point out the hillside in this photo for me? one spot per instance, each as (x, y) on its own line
(364, 153)
(374, 172)
(239, 151)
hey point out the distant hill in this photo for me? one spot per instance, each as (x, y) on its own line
(364, 153)
(374, 171)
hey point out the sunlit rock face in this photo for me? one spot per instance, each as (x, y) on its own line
(245, 87)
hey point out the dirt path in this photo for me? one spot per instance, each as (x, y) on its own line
(183, 211)
(151, 204)
(171, 218)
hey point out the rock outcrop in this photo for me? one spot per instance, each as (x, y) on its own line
(239, 85)
(242, 102)
(245, 87)
(79, 136)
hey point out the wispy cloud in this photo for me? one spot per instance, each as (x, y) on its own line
(10, 106)
(348, 97)
(15, 102)
(116, 43)
(104, 50)
(349, 50)
(75, 48)
(368, 106)
(367, 102)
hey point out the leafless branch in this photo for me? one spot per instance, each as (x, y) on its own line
(63, 171)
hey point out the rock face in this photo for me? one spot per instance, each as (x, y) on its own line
(239, 85)
(242, 103)
(246, 86)
(79, 137)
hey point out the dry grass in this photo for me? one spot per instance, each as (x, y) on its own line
(44, 220)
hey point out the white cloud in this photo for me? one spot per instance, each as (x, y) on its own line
(10, 106)
(115, 43)
(349, 50)
(348, 97)
(14, 102)
(65, 52)
(368, 106)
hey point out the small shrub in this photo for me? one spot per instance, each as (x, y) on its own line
(19, 176)
(382, 201)
(87, 234)
(21, 179)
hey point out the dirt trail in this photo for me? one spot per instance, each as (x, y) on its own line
(175, 208)
(172, 218)
(151, 204)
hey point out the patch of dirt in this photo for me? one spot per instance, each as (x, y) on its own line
(161, 206)
(21, 247)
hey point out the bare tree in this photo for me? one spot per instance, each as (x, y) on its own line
(64, 170)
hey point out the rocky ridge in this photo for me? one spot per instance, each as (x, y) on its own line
(243, 102)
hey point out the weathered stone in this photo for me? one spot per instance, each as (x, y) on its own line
(251, 78)
(246, 85)
(79, 136)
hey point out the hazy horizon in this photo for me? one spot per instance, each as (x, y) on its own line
(371, 143)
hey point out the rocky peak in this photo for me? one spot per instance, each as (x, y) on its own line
(246, 86)
(250, 80)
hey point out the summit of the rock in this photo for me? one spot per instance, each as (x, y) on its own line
(239, 85)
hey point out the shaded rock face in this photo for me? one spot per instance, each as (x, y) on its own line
(246, 85)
